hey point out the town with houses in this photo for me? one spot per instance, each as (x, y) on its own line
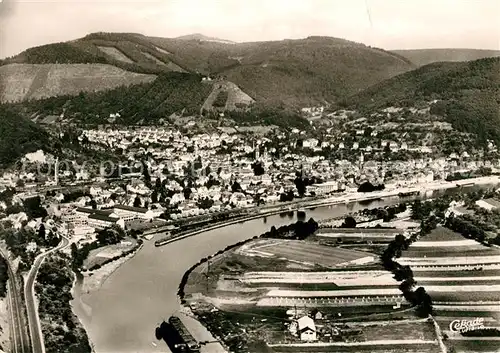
(174, 181)
(198, 174)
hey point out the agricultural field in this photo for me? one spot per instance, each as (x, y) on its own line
(36, 81)
(249, 289)
(356, 235)
(444, 247)
(442, 234)
(462, 277)
(309, 253)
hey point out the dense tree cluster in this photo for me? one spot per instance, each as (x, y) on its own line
(108, 236)
(387, 213)
(17, 242)
(287, 196)
(268, 116)
(33, 208)
(423, 209)
(403, 273)
(466, 226)
(298, 230)
(349, 222)
(221, 99)
(369, 187)
(4, 276)
(19, 136)
(301, 182)
(62, 53)
(149, 102)
(61, 329)
(205, 203)
(258, 168)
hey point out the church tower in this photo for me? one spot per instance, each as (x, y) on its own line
(56, 171)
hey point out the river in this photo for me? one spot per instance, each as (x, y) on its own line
(122, 315)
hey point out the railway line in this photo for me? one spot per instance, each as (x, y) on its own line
(20, 341)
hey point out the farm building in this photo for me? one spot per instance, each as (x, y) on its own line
(306, 329)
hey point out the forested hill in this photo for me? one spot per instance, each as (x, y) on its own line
(171, 94)
(143, 103)
(297, 73)
(125, 50)
(467, 94)
(19, 136)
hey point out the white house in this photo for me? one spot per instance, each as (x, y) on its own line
(325, 188)
(306, 329)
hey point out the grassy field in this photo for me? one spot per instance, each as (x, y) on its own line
(474, 346)
(452, 251)
(99, 255)
(442, 234)
(464, 296)
(428, 348)
(417, 331)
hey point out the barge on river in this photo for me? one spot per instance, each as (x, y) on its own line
(177, 336)
(187, 342)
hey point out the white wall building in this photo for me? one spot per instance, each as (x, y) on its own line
(306, 329)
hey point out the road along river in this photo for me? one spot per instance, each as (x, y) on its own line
(122, 315)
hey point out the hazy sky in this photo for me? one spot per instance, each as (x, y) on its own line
(389, 24)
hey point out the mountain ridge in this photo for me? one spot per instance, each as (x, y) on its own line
(422, 57)
(294, 73)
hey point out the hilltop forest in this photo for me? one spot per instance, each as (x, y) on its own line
(466, 94)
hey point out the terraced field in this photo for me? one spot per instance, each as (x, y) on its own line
(463, 279)
(358, 235)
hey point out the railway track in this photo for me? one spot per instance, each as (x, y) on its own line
(20, 341)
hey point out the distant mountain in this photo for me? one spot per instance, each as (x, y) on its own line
(467, 94)
(299, 72)
(422, 57)
(294, 73)
(203, 38)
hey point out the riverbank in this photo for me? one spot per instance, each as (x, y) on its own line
(334, 200)
(93, 280)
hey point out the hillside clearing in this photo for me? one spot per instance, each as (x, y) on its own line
(115, 54)
(18, 81)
